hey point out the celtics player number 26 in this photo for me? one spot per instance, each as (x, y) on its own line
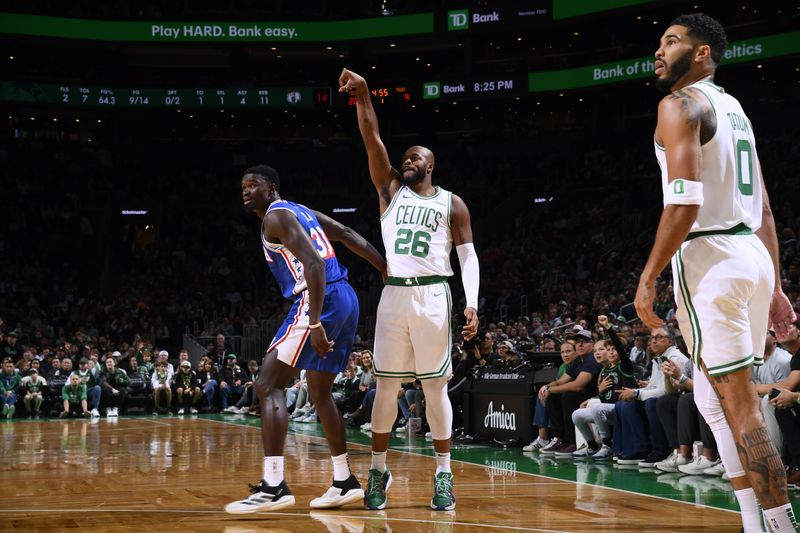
(415, 243)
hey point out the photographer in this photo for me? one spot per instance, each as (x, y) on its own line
(471, 357)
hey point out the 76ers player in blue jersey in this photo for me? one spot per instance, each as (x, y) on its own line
(297, 247)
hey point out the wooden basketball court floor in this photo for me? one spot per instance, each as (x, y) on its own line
(176, 474)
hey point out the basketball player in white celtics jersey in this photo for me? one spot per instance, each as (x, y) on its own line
(718, 231)
(419, 223)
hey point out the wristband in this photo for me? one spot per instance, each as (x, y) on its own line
(315, 326)
(636, 393)
(683, 192)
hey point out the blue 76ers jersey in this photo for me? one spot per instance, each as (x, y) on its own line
(287, 269)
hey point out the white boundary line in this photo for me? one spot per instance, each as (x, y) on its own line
(702, 505)
(299, 515)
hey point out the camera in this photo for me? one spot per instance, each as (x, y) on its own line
(774, 394)
(525, 346)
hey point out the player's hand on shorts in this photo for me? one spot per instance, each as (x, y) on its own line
(645, 297)
(471, 328)
(349, 80)
(320, 342)
(781, 314)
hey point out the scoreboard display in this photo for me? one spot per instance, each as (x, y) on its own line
(385, 94)
(141, 97)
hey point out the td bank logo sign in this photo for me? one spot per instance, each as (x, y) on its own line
(431, 90)
(460, 19)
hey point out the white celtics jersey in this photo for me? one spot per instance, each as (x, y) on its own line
(416, 234)
(730, 172)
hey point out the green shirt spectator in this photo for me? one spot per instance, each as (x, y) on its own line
(74, 393)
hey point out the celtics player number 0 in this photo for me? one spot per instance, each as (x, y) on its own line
(744, 167)
(416, 243)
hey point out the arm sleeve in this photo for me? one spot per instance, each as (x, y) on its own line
(470, 272)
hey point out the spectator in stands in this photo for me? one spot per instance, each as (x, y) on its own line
(74, 396)
(139, 383)
(187, 388)
(344, 386)
(9, 348)
(682, 423)
(162, 392)
(66, 366)
(9, 387)
(505, 351)
(147, 367)
(220, 352)
(183, 355)
(540, 419)
(616, 372)
(297, 396)
(362, 415)
(90, 377)
(32, 391)
(786, 410)
(774, 371)
(230, 382)
(642, 439)
(638, 355)
(25, 362)
(47, 362)
(486, 345)
(114, 382)
(208, 379)
(564, 395)
(163, 355)
(249, 401)
(549, 344)
(55, 369)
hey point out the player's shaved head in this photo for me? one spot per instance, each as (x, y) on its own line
(424, 152)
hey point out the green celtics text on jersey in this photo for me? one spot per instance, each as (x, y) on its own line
(416, 233)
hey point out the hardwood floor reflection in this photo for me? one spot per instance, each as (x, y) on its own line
(170, 474)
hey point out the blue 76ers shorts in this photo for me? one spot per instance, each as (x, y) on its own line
(340, 319)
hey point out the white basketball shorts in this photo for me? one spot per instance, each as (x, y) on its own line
(723, 286)
(412, 332)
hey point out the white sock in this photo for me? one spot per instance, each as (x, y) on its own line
(378, 461)
(781, 518)
(751, 513)
(443, 462)
(273, 470)
(341, 467)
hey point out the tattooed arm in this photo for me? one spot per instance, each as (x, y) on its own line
(685, 122)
